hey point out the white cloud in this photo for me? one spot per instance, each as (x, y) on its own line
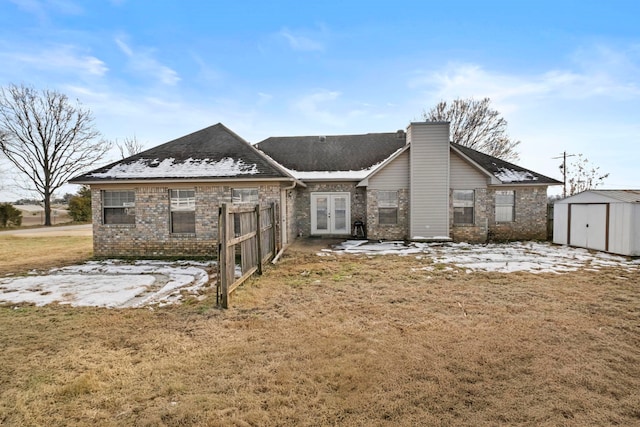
(40, 8)
(67, 7)
(264, 98)
(59, 58)
(596, 72)
(314, 106)
(144, 63)
(299, 42)
(582, 106)
(327, 108)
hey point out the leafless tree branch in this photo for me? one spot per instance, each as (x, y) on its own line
(476, 125)
(47, 138)
(129, 147)
(582, 176)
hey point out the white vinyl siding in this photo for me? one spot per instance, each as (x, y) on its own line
(119, 207)
(183, 211)
(394, 175)
(429, 182)
(465, 175)
(505, 205)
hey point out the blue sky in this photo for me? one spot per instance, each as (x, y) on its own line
(564, 74)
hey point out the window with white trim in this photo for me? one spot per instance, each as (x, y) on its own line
(183, 211)
(463, 202)
(118, 207)
(387, 207)
(244, 195)
(505, 205)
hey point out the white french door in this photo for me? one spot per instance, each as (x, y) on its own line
(330, 213)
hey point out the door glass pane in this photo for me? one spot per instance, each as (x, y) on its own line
(322, 206)
(340, 213)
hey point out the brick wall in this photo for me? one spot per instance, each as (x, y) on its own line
(303, 203)
(150, 236)
(530, 216)
(476, 232)
(375, 230)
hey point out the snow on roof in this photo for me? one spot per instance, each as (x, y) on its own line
(169, 168)
(510, 175)
(331, 175)
(334, 175)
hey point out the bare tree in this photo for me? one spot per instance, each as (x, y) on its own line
(476, 125)
(47, 138)
(129, 147)
(582, 175)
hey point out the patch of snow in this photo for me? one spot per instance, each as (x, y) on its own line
(108, 284)
(336, 175)
(510, 175)
(533, 257)
(330, 175)
(169, 168)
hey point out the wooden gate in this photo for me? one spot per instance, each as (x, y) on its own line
(246, 240)
(550, 222)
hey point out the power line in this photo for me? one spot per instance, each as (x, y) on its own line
(564, 171)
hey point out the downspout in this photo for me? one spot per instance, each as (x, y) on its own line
(284, 230)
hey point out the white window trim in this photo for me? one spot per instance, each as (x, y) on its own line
(388, 204)
(181, 204)
(464, 204)
(242, 191)
(127, 206)
(512, 206)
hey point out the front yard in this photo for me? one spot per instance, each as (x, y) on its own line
(344, 339)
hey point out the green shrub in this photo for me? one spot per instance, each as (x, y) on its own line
(80, 206)
(9, 216)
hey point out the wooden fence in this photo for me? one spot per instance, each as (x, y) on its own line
(246, 240)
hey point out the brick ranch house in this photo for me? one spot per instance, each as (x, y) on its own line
(413, 185)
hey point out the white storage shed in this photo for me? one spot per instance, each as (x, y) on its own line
(605, 220)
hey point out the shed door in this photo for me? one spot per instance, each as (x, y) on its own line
(589, 226)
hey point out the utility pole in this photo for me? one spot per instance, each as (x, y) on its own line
(564, 171)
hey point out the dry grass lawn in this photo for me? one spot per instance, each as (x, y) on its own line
(338, 340)
(20, 254)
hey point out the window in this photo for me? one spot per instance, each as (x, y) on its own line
(183, 211)
(463, 206)
(244, 195)
(387, 207)
(119, 207)
(505, 206)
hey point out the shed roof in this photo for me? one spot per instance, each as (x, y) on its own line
(625, 196)
(214, 152)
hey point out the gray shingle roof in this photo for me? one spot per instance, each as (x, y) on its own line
(506, 172)
(332, 152)
(210, 153)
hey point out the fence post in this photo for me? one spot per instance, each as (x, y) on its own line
(259, 238)
(223, 254)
